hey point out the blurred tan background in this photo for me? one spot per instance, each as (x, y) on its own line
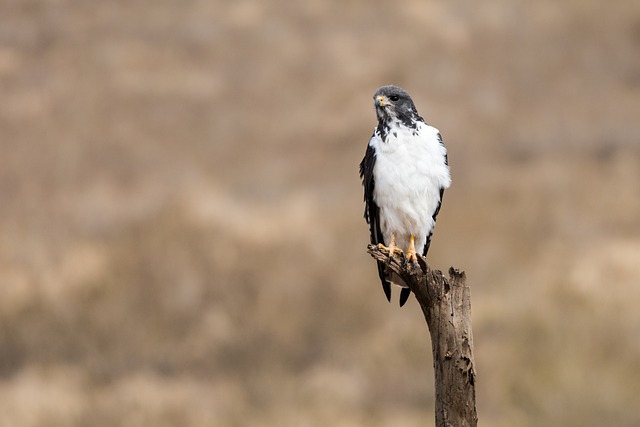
(181, 232)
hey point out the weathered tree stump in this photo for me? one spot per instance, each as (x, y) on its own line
(446, 305)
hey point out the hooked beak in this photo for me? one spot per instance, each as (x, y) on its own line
(382, 101)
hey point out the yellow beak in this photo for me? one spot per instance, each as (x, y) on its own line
(382, 101)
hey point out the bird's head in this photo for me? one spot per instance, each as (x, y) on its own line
(392, 102)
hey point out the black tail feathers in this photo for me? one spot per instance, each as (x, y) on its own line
(404, 295)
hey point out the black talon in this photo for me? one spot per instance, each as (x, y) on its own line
(404, 261)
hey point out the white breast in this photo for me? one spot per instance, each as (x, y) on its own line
(409, 171)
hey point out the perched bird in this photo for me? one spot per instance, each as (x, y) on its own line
(404, 173)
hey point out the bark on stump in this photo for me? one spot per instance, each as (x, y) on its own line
(446, 305)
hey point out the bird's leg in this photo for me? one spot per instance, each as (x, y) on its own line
(411, 253)
(392, 248)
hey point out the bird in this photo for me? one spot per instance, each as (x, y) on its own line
(404, 172)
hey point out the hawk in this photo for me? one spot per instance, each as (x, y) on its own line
(404, 173)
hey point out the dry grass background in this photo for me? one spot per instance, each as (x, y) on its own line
(181, 238)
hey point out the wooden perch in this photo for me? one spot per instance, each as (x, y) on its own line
(446, 305)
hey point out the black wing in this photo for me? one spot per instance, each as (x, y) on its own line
(446, 158)
(437, 211)
(371, 211)
(435, 214)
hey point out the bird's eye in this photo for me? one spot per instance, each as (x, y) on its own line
(394, 98)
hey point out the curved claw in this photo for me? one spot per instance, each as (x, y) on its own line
(392, 248)
(411, 253)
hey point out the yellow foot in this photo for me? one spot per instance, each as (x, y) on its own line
(392, 248)
(411, 253)
(412, 256)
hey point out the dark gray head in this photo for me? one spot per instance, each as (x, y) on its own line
(392, 103)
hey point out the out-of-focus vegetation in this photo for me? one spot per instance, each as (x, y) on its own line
(181, 232)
